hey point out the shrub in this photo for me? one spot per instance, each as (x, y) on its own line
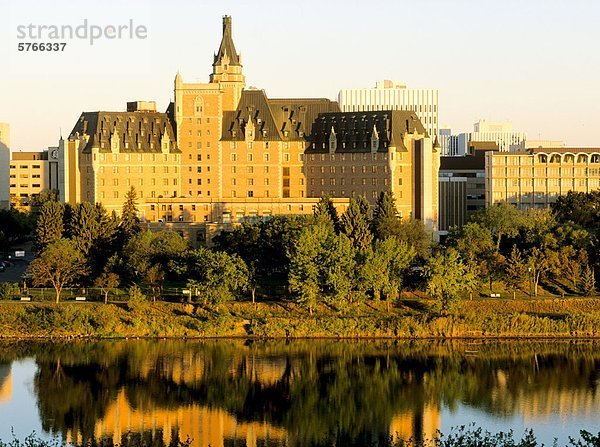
(9, 290)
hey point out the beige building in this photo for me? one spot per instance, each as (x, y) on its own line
(30, 174)
(4, 166)
(364, 153)
(537, 177)
(223, 154)
(107, 153)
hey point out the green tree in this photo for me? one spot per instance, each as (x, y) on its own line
(355, 223)
(515, 270)
(385, 216)
(154, 277)
(15, 226)
(588, 281)
(447, 278)
(129, 225)
(83, 226)
(305, 272)
(503, 220)
(106, 282)
(218, 276)
(338, 270)
(49, 227)
(59, 263)
(539, 263)
(325, 211)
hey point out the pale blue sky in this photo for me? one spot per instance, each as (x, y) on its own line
(535, 63)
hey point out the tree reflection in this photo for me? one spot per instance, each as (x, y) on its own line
(297, 394)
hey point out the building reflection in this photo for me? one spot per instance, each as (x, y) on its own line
(203, 426)
(5, 383)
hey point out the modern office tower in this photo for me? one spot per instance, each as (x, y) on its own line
(354, 154)
(500, 133)
(535, 178)
(388, 95)
(32, 173)
(4, 166)
(444, 136)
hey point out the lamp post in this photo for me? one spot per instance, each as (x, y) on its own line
(530, 283)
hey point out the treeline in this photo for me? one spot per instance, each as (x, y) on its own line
(325, 259)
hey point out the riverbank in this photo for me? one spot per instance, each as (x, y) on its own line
(407, 319)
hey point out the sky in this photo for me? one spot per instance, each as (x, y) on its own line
(533, 62)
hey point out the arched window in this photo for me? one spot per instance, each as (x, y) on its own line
(582, 158)
(555, 158)
(543, 158)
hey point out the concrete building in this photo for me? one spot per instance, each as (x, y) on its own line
(354, 154)
(535, 178)
(30, 174)
(389, 95)
(4, 166)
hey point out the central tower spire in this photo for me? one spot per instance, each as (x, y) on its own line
(227, 68)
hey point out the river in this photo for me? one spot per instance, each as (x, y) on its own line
(296, 393)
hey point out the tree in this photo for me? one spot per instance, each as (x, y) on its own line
(515, 270)
(325, 211)
(49, 225)
(130, 223)
(83, 226)
(217, 276)
(385, 216)
(447, 277)
(15, 225)
(503, 220)
(305, 280)
(338, 269)
(59, 263)
(539, 262)
(588, 281)
(106, 282)
(355, 223)
(154, 278)
(414, 233)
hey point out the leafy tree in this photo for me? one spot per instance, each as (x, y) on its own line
(49, 225)
(414, 233)
(305, 279)
(447, 277)
(15, 225)
(106, 282)
(155, 277)
(137, 301)
(218, 276)
(385, 216)
(515, 270)
(130, 222)
(167, 249)
(503, 220)
(539, 261)
(338, 269)
(580, 208)
(59, 263)
(355, 223)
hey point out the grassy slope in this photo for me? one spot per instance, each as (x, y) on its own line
(409, 318)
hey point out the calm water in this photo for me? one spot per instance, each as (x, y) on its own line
(301, 393)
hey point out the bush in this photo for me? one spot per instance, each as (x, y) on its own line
(9, 290)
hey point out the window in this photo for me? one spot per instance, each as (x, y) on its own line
(250, 193)
(233, 157)
(249, 157)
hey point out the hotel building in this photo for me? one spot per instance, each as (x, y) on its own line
(222, 154)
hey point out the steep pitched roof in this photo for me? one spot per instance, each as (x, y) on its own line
(227, 48)
(353, 130)
(142, 131)
(273, 119)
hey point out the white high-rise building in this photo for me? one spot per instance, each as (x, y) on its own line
(4, 166)
(500, 132)
(388, 95)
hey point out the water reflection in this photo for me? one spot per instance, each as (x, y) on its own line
(235, 393)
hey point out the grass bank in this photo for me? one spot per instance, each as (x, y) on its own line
(407, 319)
